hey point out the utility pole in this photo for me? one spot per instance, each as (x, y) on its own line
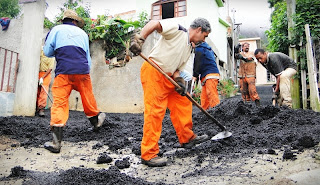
(295, 85)
(231, 67)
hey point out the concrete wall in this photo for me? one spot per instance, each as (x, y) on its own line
(11, 38)
(6, 103)
(22, 37)
(117, 90)
(27, 79)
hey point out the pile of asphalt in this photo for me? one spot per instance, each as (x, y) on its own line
(256, 130)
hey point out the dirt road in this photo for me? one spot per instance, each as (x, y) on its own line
(270, 145)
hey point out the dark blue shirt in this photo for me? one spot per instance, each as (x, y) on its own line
(204, 61)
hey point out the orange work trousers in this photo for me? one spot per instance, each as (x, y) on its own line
(159, 94)
(209, 94)
(62, 86)
(42, 95)
(248, 89)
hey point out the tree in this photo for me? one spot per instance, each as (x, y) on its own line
(307, 12)
(278, 33)
(9, 8)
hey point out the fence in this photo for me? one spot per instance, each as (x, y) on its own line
(9, 63)
(313, 73)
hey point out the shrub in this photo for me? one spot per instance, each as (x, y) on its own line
(226, 88)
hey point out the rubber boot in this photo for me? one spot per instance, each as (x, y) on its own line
(97, 121)
(41, 113)
(257, 102)
(55, 145)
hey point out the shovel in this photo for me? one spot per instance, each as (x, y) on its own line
(220, 135)
(47, 93)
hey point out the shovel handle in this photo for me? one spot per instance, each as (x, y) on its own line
(187, 94)
(47, 93)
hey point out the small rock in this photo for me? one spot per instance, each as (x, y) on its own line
(104, 158)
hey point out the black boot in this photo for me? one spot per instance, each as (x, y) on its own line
(55, 145)
(97, 121)
(257, 102)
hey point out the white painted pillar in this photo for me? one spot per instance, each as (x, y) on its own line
(31, 39)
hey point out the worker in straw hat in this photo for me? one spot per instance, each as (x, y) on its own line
(69, 44)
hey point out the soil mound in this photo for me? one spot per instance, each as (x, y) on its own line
(255, 130)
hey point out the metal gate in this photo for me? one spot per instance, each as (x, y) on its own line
(9, 63)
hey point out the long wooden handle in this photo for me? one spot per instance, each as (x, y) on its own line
(187, 94)
(47, 93)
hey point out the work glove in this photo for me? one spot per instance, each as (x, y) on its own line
(40, 81)
(180, 81)
(136, 44)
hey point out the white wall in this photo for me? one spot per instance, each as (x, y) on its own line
(27, 78)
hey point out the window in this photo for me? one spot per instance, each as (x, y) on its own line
(165, 9)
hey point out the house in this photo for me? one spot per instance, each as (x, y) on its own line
(184, 12)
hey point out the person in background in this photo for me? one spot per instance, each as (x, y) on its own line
(70, 46)
(46, 66)
(205, 68)
(283, 68)
(171, 54)
(247, 75)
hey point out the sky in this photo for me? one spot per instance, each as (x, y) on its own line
(254, 16)
(98, 7)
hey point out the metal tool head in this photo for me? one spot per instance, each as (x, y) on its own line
(221, 135)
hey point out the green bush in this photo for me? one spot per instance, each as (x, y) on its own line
(226, 88)
(196, 95)
(115, 32)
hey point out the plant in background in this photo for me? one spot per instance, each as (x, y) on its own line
(196, 95)
(84, 13)
(115, 32)
(278, 33)
(226, 88)
(9, 8)
(307, 12)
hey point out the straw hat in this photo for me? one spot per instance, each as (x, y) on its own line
(73, 15)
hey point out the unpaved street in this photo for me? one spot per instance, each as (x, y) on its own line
(270, 145)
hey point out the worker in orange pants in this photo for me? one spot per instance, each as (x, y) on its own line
(247, 75)
(159, 93)
(248, 87)
(205, 68)
(46, 66)
(170, 54)
(70, 46)
(209, 93)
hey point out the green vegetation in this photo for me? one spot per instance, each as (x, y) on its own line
(9, 8)
(115, 32)
(226, 88)
(307, 12)
(196, 95)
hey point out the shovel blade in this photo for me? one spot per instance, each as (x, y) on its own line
(221, 135)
